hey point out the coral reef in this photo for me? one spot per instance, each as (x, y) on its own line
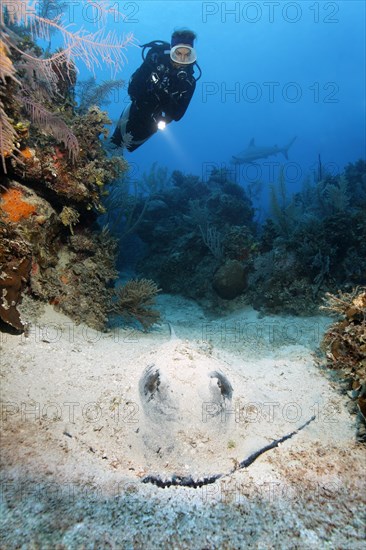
(54, 174)
(70, 267)
(229, 280)
(80, 284)
(15, 264)
(314, 242)
(37, 79)
(23, 218)
(199, 238)
(49, 169)
(191, 229)
(345, 343)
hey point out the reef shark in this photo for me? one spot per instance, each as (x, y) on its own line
(254, 152)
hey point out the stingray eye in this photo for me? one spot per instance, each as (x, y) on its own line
(150, 382)
(223, 384)
(157, 395)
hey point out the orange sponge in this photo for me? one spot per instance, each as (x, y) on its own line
(14, 205)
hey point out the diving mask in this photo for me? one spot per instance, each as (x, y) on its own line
(183, 54)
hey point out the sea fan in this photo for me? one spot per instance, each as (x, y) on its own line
(7, 69)
(337, 195)
(93, 49)
(7, 132)
(7, 136)
(134, 301)
(54, 125)
(90, 93)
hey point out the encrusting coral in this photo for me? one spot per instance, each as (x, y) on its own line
(14, 206)
(12, 282)
(15, 264)
(345, 341)
(69, 217)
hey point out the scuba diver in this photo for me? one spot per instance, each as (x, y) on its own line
(160, 90)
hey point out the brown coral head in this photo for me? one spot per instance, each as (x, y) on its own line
(12, 279)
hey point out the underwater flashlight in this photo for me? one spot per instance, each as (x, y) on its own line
(161, 125)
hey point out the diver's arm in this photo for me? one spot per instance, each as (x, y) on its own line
(137, 87)
(179, 103)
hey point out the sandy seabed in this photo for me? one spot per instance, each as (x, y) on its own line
(79, 442)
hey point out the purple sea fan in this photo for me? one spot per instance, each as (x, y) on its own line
(52, 124)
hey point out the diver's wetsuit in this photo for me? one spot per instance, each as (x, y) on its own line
(159, 91)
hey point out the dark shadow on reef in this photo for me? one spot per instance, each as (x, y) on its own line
(202, 242)
(199, 235)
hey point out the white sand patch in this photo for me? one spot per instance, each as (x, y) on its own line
(73, 411)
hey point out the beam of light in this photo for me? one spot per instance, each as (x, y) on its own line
(181, 151)
(161, 125)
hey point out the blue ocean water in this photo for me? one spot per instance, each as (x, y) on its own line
(271, 70)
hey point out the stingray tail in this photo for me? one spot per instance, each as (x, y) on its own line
(172, 331)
